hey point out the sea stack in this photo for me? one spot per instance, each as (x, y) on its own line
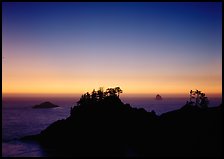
(158, 97)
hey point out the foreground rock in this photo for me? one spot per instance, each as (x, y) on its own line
(112, 128)
(45, 105)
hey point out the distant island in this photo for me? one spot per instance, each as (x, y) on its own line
(45, 105)
(158, 97)
(102, 125)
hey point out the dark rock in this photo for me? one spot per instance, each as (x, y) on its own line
(45, 105)
(111, 128)
(158, 97)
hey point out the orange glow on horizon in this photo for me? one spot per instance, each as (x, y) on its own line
(70, 55)
(129, 87)
(45, 76)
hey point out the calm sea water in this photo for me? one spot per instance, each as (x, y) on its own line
(19, 119)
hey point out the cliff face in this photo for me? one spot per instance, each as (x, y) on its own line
(111, 128)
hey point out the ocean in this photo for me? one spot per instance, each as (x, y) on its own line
(20, 119)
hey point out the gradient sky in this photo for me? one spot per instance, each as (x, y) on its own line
(145, 48)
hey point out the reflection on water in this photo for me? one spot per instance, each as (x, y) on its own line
(16, 148)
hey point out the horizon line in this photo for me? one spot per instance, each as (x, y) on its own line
(122, 95)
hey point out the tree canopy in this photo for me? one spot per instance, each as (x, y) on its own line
(198, 98)
(99, 95)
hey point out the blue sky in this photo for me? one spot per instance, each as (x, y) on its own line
(114, 44)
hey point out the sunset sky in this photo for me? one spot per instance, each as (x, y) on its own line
(145, 48)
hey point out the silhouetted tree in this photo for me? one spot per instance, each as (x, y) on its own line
(204, 101)
(94, 96)
(100, 93)
(200, 99)
(191, 95)
(81, 100)
(87, 96)
(111, 91)
(118, 91)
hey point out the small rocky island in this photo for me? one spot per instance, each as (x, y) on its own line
(45, 105)
(158, 97)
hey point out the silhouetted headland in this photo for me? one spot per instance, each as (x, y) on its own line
(45, 105)
(102, 125)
